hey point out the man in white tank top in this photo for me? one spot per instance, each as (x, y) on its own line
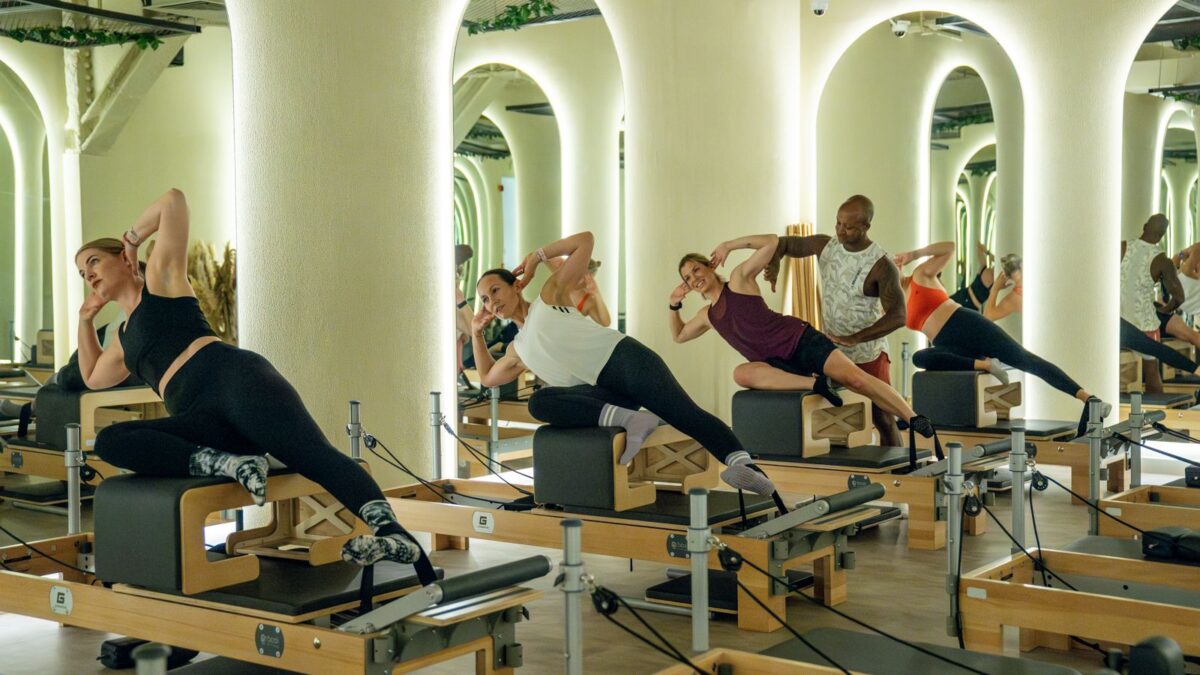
(861, 298)
(1143, 267)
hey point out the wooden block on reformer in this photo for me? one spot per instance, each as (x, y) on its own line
(799, 423)
(150, 530)
(964, 398)
(1130, 371)
(580, 467)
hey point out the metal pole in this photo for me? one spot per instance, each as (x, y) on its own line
(151, 658)
(1095, 437)
(954, 493)
(435, 421)
(698, 548)
(73, 458)
(494, 395)
(1017, 464)
(904, 369)
(572, 570)
(1136, 420)
(354, 430)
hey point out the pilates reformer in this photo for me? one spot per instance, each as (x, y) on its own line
(1098, 588)
(506, 433)
(639, 511)
(1147, 507)
(975, 408)
(824, 650)
(40, 454)
(277, 603)
(810, 447)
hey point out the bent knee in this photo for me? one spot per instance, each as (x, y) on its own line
(109, 440)
(746, 375)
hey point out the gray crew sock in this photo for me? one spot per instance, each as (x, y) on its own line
(741, 473)
(638, 424)
(249, 470)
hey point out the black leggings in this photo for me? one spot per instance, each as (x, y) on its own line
(1137, 341)
(234, 400)
(969, 335)
(634, 377)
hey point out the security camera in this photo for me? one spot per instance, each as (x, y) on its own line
(900, 27)
(819, 7)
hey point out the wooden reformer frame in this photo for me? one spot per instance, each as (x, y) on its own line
(225, 630)
(453, 526)
(1006, 593)
(1149, 507)
(97, 409)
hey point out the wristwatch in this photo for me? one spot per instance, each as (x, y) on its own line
(675, 307)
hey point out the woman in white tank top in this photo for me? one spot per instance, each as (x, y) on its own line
(596, 376)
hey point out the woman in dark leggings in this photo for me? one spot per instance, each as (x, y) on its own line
(596, 376)
(1136, 341)
(782, 352)
(229, 407)
(965, 340)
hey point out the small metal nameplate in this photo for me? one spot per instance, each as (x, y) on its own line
(1113, 511)
(977, 593)
(61, 601)
(269, 640)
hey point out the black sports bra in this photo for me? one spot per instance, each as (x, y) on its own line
(158, 331)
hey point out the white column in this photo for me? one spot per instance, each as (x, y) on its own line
(1179, 177)
(28, 143)
(537, 165)
(1070, 323)
(344, 189)
(711, 124)
(978, 185)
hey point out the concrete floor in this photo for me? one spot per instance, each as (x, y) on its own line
(893, 588)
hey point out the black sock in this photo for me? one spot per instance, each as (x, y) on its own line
(389, 529)
(1083, 422)
(821, 386)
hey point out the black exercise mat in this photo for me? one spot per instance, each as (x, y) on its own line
(870, 653)
(674, 508)
(293, 588)
(860, 457)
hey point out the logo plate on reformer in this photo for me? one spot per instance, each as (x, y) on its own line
(483, 522)
(269, 640)
(60, 600)
(677, 546)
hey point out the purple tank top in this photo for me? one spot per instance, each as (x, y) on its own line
(755, 330)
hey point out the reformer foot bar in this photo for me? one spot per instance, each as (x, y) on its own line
(289, 617)
(1111, 597)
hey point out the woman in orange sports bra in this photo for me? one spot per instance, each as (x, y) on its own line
(586, 294)
(966, 340)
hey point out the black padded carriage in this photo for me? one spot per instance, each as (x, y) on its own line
(1034, 429)
(869, 653)
(1164, 400)
(861, 457)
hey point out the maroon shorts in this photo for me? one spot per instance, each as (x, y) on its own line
(881, 367)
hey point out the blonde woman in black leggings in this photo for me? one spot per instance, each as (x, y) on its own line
(229, 407)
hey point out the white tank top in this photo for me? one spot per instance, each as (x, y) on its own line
(844, 308)
(563, 347)
(1137, 286)
(1191, 294)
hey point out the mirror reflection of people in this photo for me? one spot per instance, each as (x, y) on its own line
(229, 407)
(586, 295)
(966, 340)
(975, 294)
(595, 375)
(1187, 264)
(1144, 267)
(1007, 294)
(462, 308)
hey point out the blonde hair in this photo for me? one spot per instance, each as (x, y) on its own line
(107, 244)
(1011, 264)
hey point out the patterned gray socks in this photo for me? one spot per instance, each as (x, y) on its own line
(249, 470)
(389, 542)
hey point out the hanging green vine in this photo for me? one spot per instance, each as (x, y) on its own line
(477, 133)
(80, 37)
(1189, 42)
(955, 124)
(513, 17)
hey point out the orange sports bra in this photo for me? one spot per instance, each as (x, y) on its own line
(922, 301)
(581, 301)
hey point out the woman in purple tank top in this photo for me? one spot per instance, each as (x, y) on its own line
(782, 352)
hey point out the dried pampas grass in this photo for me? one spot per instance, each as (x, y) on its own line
(215, 284)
